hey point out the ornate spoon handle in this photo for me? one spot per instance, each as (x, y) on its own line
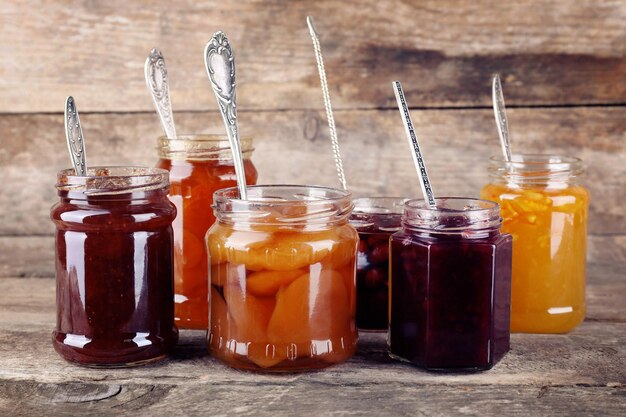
(220, 66)
(499, 110)
(75, 138)
(417, 153)
(158, 85)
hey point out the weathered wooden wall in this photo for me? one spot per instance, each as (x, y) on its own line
(563, 65)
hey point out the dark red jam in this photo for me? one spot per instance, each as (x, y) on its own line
(451, 288)
(114, 267)
(375, 219)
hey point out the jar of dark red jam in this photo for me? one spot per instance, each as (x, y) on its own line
(375, 219)
(198, 165)
(114, 267)
(450, 285)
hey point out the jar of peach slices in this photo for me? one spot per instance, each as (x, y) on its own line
(544, 207)
(282, 278)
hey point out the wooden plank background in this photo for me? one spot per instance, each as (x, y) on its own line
(563, 65)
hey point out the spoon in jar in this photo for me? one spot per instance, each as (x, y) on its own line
(329, 109)
(220, 67)
(75, 138)
(499, 110)
(414, 145)
(155, 72)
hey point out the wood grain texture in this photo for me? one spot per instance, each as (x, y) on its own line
(581, 372)
(298, 397)
(549, 52)
(294, 147)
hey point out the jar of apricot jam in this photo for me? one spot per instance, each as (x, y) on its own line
(114, 267)
(375, 219)
(450, 285)
(282, 278)
(544, 208)
(198, 165)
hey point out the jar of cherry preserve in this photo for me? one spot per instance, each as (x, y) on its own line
(450, 285)
(544, 208)
(198, 165)
(114, 267)
(375, 219)
(282, 278)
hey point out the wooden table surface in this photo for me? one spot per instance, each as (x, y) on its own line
(580, 373)
(562, 62)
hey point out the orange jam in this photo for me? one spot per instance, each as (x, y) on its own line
(545, 211)
(282, 278)
(198, 166)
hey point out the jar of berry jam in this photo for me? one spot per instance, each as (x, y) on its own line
(198, 165)
(114, 267)
(450, 285)
(544, 208)
(282, 278)
(375, 219)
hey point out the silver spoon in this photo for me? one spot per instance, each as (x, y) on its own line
(427, 190)
(155, 72)
(499, 110)
(329, 109)
(75, 138)
(220, 66)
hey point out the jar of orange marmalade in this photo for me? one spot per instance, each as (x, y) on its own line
(282, 278)
(198, 166)
(544, 208)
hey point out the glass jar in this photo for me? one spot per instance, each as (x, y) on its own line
(450, 285)
(545, 210)
(114, 269)
(375, 219)
(198, 165)
(282, 278)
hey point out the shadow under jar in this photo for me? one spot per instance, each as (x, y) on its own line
(282, 278)
(114, 267)
(450, 285)
(544, 208)
(375, 219)
(198, 165)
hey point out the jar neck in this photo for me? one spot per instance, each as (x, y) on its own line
(113, 184)
(544, 171)
(130, 198)
(283, 208)
(377, 214)
(201, 148)
(452, 217)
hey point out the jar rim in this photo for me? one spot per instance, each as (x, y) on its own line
(535, 169)
(108, 180)
(201, 146)
(452, 214)
(468, 204)
(379, 205)
(538, 162)
(283, 204)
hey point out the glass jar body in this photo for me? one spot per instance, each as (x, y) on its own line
(282, 292)
(198, 166)
(114, 270)
(375, 219)
(548, 222)
(450, 298)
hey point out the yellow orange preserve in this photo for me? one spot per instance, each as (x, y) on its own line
(548, 222)
(282, 295)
